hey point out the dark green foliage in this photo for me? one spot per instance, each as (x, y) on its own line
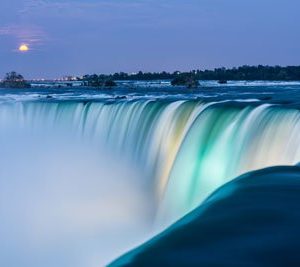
(93, 80)
(249, 73)
(14, 80)
(98, 81)
(189, 81)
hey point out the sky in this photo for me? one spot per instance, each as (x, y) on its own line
(76, 37)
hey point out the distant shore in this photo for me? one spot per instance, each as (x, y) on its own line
(191, 79)
(243, 73)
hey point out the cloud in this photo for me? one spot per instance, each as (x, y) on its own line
(29, 34)
(50, 14)
(31, 5)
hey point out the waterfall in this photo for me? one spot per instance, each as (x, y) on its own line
(186, 149)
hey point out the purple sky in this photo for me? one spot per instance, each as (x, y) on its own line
(104, 36)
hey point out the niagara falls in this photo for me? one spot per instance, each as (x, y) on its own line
(154, 133)
(89, 163)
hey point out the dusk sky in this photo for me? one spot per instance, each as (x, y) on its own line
(104, 36)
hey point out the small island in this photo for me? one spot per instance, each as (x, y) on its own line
(185, 80)
(14, 80)
(99, 81)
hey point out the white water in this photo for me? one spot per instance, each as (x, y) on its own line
(82, 183)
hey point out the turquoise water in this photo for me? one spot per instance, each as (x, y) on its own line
(161, 150)
(245, 222)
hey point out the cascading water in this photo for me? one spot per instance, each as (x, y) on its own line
(223, 143)
(183, 150)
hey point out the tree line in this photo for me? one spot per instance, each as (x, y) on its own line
(249, 73)
(189, 79)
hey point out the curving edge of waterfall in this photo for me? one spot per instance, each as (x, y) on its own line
(112, 173)
(251, 221)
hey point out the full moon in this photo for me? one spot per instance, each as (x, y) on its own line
(23, 48)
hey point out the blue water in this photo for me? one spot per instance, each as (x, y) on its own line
(88, 174)
(272, 92)
(252, 221)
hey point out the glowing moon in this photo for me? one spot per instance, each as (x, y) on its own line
(23, 48)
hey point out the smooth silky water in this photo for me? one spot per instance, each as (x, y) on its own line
(87, 175)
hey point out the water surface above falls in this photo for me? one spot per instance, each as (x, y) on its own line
(274, 92)
(153, 153)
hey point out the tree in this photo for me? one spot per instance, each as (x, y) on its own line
(99, 81)
(14, 80)
(185, 80)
